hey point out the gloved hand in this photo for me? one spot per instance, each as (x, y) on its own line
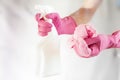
(87, 43)
(79, 44)
(102, 41)
(63, 25)
(43, 26)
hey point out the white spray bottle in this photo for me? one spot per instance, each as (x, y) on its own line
(47, 63)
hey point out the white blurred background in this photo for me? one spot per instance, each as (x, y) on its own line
(24, 55)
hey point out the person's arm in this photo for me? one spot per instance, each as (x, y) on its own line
(85, 13)
(68, 24)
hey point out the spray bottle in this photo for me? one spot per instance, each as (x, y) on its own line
(47, 63)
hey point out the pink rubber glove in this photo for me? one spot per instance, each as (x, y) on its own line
(105, 41)
(87, 43)
(63, 25)
(43, 26)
